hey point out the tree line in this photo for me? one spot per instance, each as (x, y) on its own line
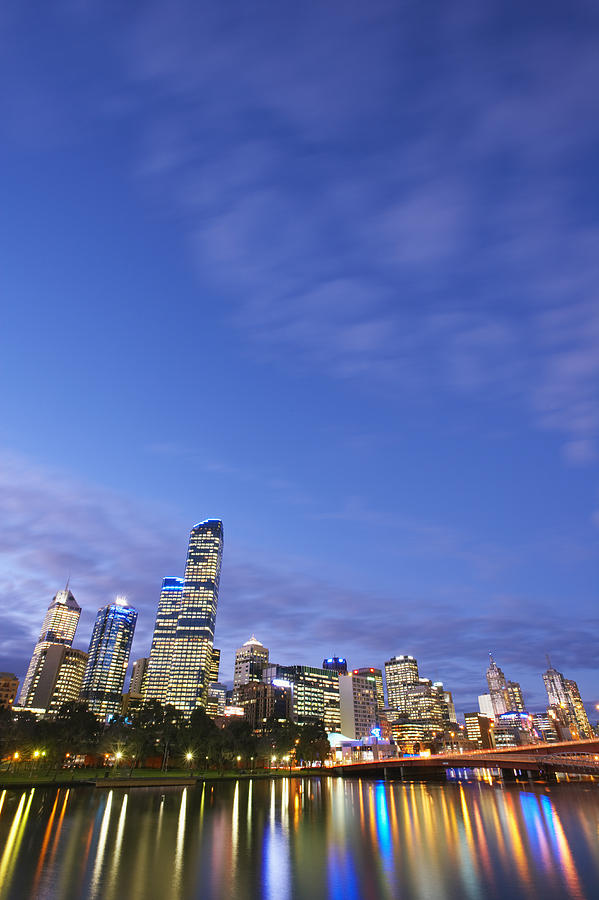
(158, 735)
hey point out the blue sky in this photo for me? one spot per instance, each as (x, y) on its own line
(329, 272)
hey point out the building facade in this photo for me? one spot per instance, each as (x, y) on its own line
(335, 664)
(400, 672)
(371, 672)
(58, 677)
(314, 692)
(59, 627)
(108, 658)
(137, 683)
(9, 685)
(250, 660)
(181, 658)
(497, 688)
(357, 705)
(263, 703)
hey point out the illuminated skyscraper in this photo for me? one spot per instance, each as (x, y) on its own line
(400, 671)
(497, 688)
(214, 666)
(357, 705)
(194, 634)
(139, 672)
(335, 664)
(565, 697)
(59, 626)
(57, 678)
(250, 660)
(377, 676)
(108, 658)
(163, 641)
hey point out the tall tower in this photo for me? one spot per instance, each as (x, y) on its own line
(250, 659)
(108, 658)
(194, 635)
(59, 626)
(400, 671)
(497, 688)
(163, 641)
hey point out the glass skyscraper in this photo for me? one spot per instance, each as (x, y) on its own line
(59, 626)
(400, 671)
(181, 657)
(108, 658)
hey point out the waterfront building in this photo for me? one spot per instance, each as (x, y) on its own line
(108, 658)
(263, 703)
(181, 658)
(163, 640)
(545, 726)
(9, 685)
(377, 674)
(358, 705)
(580, 715)
(217, 700)
(564, 695)
(58, 677)
(400, 671)
(335, 664)
(250, 660)
(315, 693)
(137, 683)
(59, 627)
(479, 729)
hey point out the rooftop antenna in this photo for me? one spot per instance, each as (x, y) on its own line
(548, 660)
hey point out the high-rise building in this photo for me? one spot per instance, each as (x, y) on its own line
(486, 706)
(108, 658)
(335, 664)
(181, 657)
(163, 640)
(137, 683)
(58, 677)
(9, 685)
(400, 671)
(358, 705)
(369, 671)
(250, 660)
(214, 666)
(314, 693)
(479, 728)
(515, 697)
(217, 700)
(59, 627)
(262, 703)
(497, 688)
(582, 720)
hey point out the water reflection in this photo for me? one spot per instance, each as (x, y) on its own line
(301, 838)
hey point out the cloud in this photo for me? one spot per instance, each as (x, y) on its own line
(53, 526)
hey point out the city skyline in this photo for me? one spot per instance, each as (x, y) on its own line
(329, 276)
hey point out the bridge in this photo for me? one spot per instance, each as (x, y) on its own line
(539, 760)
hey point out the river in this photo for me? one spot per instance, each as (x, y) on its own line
(302, 838)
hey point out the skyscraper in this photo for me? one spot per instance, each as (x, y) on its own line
(214, 666)
(181, 656)
(357, 705)
(57, 678)
(335, 664)
(400, 671)
(377, 675)
(108, 658)
(59, 627)
(497, 688)
(565, 697)
(250, 660)
(163, 640)
(139, 672)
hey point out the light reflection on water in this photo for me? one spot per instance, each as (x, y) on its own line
(301, 838)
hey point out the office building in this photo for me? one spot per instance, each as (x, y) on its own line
(59, 627)
(479, 729)
(515, 697)
(214, 666)
(335, 664)
(108, 658)
(9, 685)
(486, 706)
(217, 700)
(137, 683)
(264, 703)
(314, 692)
(181, 657)
(250, 660)
(358, 705)
(565, 700)
(163, 640)
(370, 671)
(57, 678)
(400, 671)
(583, 725)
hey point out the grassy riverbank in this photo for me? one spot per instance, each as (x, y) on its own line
(68, 778)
